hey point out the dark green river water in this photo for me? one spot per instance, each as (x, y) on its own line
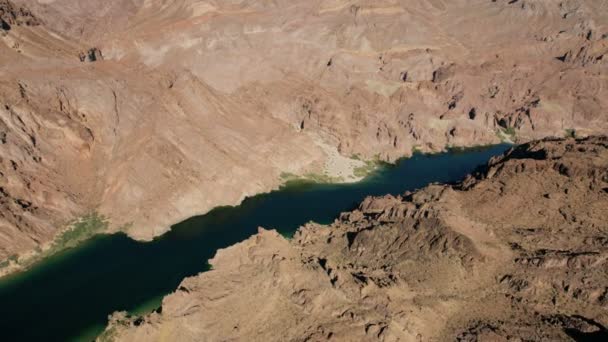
(70, 295)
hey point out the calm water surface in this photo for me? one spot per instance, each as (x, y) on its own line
(70, 295)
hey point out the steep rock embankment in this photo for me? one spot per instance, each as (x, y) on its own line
(517, 251)
(145, 151)
(149, 112)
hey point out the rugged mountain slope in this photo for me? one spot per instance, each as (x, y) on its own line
(518, 251)
(151, 149)
(153, 111)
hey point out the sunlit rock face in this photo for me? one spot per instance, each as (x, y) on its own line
(517, 251)
(149, 112)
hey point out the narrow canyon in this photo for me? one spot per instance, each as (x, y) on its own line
(516, 252)
(149, 112)
(129, 116)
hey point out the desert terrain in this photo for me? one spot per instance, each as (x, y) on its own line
(133, 115)
(149, 112)
(516, 252)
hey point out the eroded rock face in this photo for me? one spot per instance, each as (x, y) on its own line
(518, 251)
(91, 55)
(195, 104)
(14, 15)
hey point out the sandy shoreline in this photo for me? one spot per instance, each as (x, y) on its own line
(338, 167)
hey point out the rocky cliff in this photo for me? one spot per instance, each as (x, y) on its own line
(517, 251)
(149, 112)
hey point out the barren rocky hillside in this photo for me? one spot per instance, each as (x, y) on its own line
(518, 251)
(149, 112)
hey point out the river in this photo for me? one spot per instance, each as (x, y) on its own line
(69, 296)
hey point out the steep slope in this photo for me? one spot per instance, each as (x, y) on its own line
(386, 77)
(516, 252)
(149, 112)
(149, 150)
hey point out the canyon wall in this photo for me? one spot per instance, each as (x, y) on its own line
(149, 112)
(517, 251)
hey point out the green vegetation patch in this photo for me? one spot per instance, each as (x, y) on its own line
(570, 133)
(288, 176)
(82, 229)
(13, 259)
(508, 133)
(364, 170)
(322, 178)
(79, 230)
(360, 172)
(310, 178)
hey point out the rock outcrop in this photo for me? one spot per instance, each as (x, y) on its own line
(13, 15)
(518, 251)
(91, 55)
(197, 104)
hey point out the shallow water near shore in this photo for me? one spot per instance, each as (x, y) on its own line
(70, 295)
